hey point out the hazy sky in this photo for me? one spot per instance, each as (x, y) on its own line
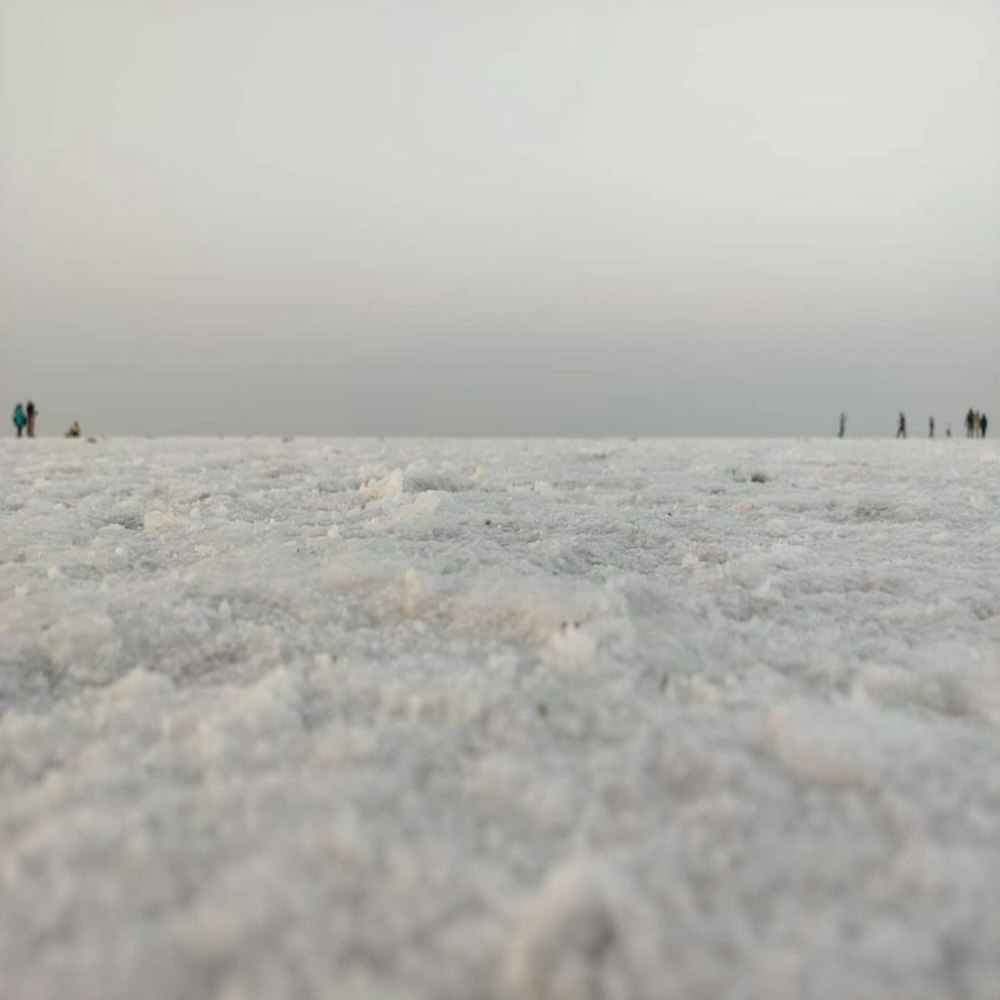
(450, 216)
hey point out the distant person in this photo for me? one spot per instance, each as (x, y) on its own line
(74, 431)
(970, 423)
(901, 429)
(975, 423)
(20, 419)
(930, 424)
(947, 431)
(843, 425)
(32, 412)
(983, 424)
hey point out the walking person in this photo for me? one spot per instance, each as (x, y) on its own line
(901, 430)
(930, 424)
(20, 419)
(32, 412)
(983, 424)
(970, 423)
(843, 425)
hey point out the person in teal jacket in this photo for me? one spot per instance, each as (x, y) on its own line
(20, 419)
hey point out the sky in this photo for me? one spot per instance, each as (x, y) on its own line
(719, 217)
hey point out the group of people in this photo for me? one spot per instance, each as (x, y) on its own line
(24, 421)
(24, 418)
(975, 425)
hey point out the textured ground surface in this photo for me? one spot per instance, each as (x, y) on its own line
(499, 719)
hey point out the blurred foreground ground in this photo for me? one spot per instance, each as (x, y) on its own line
(499, 719)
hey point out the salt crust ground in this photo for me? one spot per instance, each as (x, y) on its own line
(578, 719)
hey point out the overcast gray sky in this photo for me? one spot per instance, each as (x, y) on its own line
(496, 216)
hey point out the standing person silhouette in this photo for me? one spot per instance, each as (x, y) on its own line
(843, 425)
(970, 422)
(19, 419)
(32, 412)
(930, 424)
(901, 430)
(983, 424)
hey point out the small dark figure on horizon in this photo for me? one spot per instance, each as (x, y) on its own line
(843, 425)
(930, 424)
(970, 423)
(32, 412)
(19, 419)
(947, 431)
(983, 424)
(901, 430)
(74, 431)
